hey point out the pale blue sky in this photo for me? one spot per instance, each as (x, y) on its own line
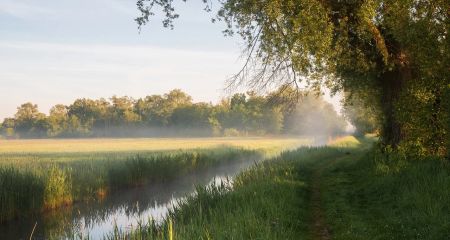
(56, 51)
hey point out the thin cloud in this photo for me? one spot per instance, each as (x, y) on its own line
(20, 9)
(58, 72)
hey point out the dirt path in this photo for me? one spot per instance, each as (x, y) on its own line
(318, 226)
(319, 229)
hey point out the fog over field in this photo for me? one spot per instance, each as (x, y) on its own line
(224, 119)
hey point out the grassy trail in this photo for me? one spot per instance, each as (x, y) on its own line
(319, 229)
(345, 191)
(277, 199)
(319, 226)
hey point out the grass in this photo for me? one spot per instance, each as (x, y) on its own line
(364, 195)
(47, 185)
(345, 142)
(379, 198)
(142, 144)
(46, 174)
(265, 202)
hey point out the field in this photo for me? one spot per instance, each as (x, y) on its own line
(142, 144)
(37, 175)
(346, 190)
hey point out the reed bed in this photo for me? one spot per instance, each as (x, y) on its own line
(33, 183)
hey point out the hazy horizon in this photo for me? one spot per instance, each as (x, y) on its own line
(56, 52)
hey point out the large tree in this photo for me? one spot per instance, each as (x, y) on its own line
(29, 122)
(395, 50)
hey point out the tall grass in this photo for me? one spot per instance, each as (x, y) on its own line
(264, 202)
(364, 195)
(38, 184)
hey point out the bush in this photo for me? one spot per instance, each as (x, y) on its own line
(231, 132)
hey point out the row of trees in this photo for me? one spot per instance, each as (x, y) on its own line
(175, 114)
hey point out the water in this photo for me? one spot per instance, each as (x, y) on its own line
(124, 208)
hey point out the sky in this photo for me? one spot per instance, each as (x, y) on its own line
(54, 52)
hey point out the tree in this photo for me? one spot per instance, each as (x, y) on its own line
(8, 127)
(196, 117)
(177, 98)
(235, 116)
(103, 117)
(29, 122)
(75, 128)
(396, 49)
(170, 114)
(249, 113)
(85, 111)
(151, 110)
(123, 112)
(362, 115)
(273, 120)
(58, 120)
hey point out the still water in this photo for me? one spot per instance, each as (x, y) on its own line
(124, 208)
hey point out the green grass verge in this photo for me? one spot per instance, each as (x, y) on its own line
(269, 201)
(365, 195)
(373, 196)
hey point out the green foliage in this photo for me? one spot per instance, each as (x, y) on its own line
(57, 120)
(58, 188)
(366, 194)
(446, 106)
(394, 54)
(231, 132)
(29, 122)
(265, 202)
(363, 115)
(387, 196)
(424, 111)
(173, 114)
(35, 183)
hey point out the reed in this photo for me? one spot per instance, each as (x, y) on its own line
(39, 184)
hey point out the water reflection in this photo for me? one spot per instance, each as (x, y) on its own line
(125, 209)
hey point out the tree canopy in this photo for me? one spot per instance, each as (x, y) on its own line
(392, 55)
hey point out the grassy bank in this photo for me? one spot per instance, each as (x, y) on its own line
(265, 202)
(363, 195)
(379, 196)
(44, 174)
(39, 184)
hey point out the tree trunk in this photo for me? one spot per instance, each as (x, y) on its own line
(446, 106)
(392, 84)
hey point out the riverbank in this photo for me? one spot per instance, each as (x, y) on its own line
(40, 185)
(46, 174)
(120, 209)
(342, 191)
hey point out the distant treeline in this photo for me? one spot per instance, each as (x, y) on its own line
(175, 114)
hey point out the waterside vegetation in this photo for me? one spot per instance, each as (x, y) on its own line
(346, 190)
